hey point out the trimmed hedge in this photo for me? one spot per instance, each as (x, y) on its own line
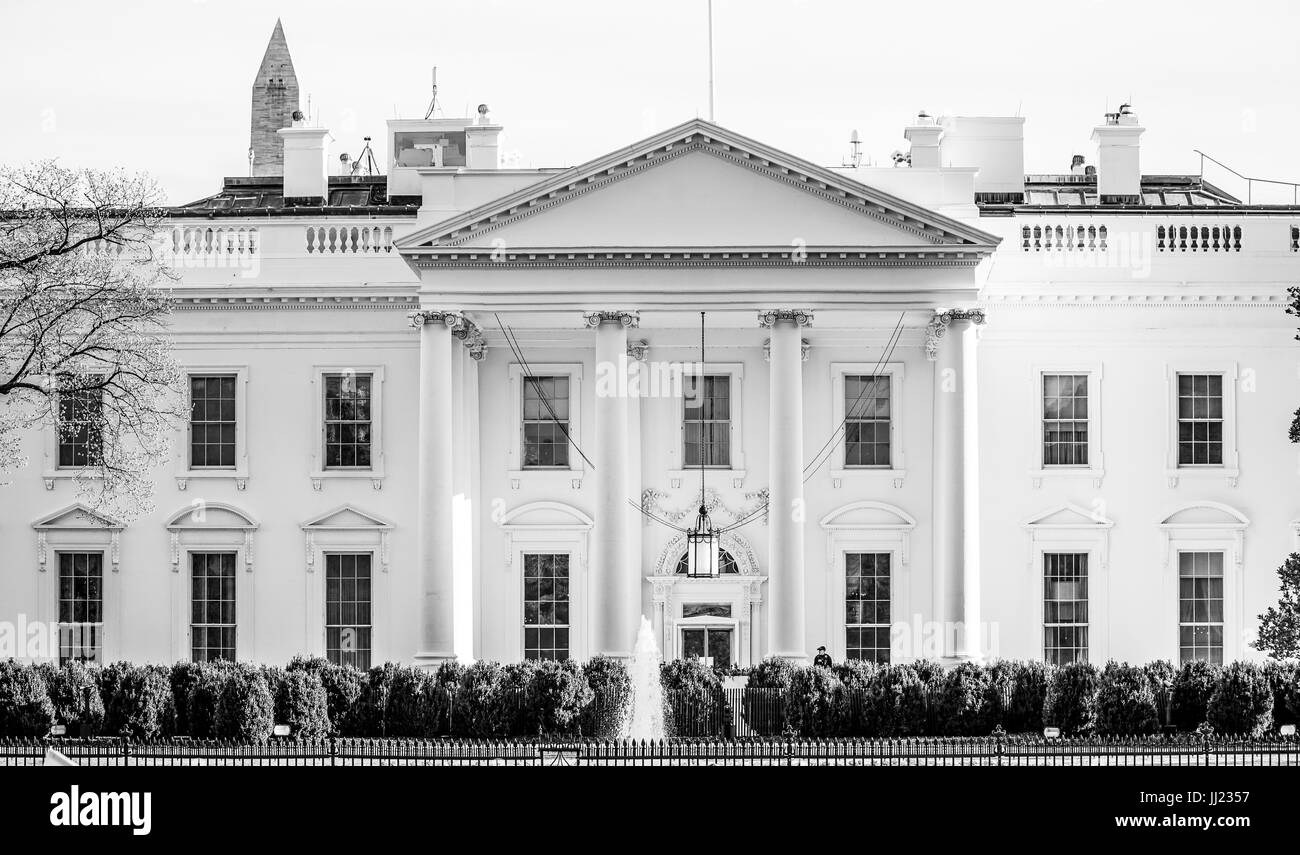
(1190, 693)
(565, 699)
(1126, 700)
(25, 705)
(1071, 699)
(1242, 702)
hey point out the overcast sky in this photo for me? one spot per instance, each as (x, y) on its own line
(164, 86)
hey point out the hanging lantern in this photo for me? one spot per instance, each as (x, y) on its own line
(703, 548)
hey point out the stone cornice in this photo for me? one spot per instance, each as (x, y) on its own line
(296, 303)
(1174, 301)
(696, 257)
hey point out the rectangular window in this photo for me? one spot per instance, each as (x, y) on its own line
(867, 606)
(1200, 419)
(706, 420)
(1200, 606)
(867, 415)
(80, 440)
(347, 609)
(348, 420)
(546, 606)
(212, 421)
(546, 422)
(1065, 419)
(1065, 607)
(81, 606)
(212, 601)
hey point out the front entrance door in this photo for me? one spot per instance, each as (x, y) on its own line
(709, 641)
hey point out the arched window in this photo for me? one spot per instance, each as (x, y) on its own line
(726, 564)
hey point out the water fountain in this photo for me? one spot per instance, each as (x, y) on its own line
(644, 717)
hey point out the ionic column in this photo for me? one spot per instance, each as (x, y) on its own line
(786, 634)
(435, 464)
(951, 343)
(615, 582)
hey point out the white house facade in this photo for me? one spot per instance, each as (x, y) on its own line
(945, 410)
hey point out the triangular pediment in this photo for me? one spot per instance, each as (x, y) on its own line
(346, 517)
(1069, 515)
(76, 516)
(699, 186)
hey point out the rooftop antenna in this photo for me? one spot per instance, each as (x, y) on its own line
(855, 151)
(366, 160)
(433, 101)
(711, 60)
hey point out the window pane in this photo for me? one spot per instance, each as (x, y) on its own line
(348, 608)
(706, 420)
(867, 425)
(546, 422)
(212, 612)
(348, 421)
(867, 607)
(1200, 605)
(1065, 607)
(546, 606)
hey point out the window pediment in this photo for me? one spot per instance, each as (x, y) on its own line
(1206, 515)
(211, 515)
(77, 517)
(868, 515)
(346, 517)
(1069, 515)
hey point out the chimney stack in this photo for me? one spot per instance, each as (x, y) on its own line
(1119, 170)
(924, 135)
(306, 162)
(995, 144)
(482, 142)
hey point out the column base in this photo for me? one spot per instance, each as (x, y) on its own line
(433, 661)
(792, 658)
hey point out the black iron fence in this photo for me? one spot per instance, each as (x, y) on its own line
(996, 750)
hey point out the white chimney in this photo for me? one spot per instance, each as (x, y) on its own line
(306, 161)
(994, 144)
(924, 135)
(482, 142)
(1119, 170)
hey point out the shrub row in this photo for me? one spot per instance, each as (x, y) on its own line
(486, 699)
(924, 699)
(314, 697)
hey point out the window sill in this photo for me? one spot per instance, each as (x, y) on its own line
(1056, 472)
(549, 477)
(867, 475)
(1196, 473)
(712, 475)
(374, 476)
(238, 475)
(52, 476)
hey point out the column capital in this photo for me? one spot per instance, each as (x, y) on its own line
(637, 350)
(938, 327)
(630, 320)
(420, 317)
(461, 328)
(769, 317)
